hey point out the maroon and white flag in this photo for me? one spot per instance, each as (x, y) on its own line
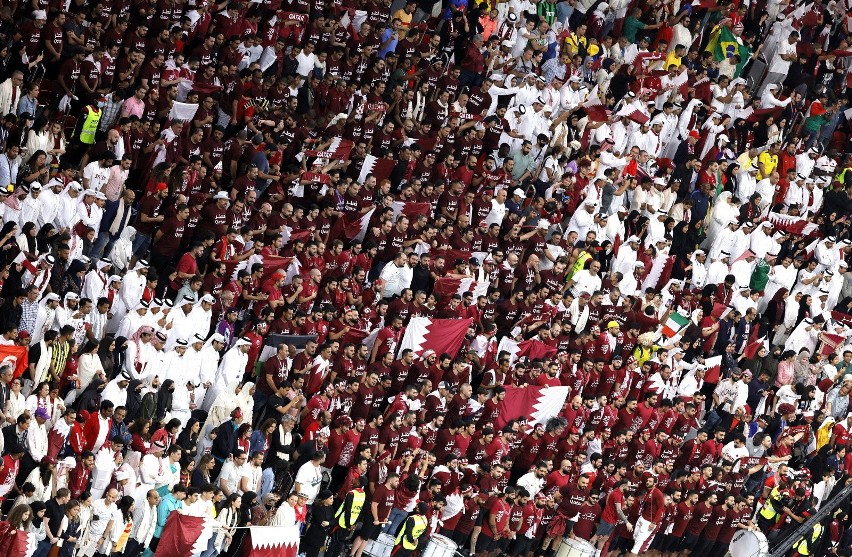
(440, 335)
(537, 404)
(445, 287)
(411, 209)
(184, 535)
(595, 109)
(271, 541)
(339, 149)
(378, 167)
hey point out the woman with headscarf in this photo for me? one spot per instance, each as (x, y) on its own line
(9, 237)
(27, 241)
(46, 238)
(245, 401)
(134, 398)
(122, 250)
(90, 398)
(72, 280)
(89, 364)
(775, 311)
(140, 354)
(750, 211)
(116, 351)
(231, 370)
(164, 400)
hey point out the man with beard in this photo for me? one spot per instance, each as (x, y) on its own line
(653, 505)
(495, 533)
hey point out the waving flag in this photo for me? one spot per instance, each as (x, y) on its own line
(720, 311)
(792, 224)
(751, 349)
(339, 149)
(411, 209)
(532, 349)
(538, 404)
(634, 114)
(378, 167)
(714, 367)
(674, 323)
(355, 229)
(183, 535)
(440, 335)
(595, 109)
(15, 356)
(723, 44)
(16, 543)
(271, 541)
(445, 287)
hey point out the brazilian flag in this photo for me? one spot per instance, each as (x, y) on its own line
(723, 44)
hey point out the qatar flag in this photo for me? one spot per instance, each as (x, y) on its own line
(184, 534)
(446, 287)
(532, 349)
(714, 369)
(354, 229)
(17, 543)
(271, 541)
(378, 167)
(411, 209)
(440, 335)
(595, 109)
(537, 404)
(792, 224)
(752, 348)
(338, 149)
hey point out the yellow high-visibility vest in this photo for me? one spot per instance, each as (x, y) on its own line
(418, 528)
(768, 510)
(90, 125)
(802, 546)
(358, 498)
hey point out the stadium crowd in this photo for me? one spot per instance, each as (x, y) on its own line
(218, 220)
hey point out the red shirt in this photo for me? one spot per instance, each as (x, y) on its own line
(653, 506)
(501, 511)
(613, 500)
(384, 499)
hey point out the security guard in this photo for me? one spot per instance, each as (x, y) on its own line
(412, 530)
(346, 517)
(769, 514)
(807, 544)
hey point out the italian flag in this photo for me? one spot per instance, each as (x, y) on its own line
(674, 324)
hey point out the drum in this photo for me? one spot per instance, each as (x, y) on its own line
(747, 543)
(440, 546)
(571, 547)
(380, 547)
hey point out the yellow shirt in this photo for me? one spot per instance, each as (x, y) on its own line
(404, 17)
(770, 163)
(672, 60)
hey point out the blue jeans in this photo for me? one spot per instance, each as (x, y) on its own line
(395, 520)
(42, 549)
(267, 482)
(211, 550)
(140, 244)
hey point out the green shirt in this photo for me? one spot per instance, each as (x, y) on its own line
(547, 10)
(631, 26)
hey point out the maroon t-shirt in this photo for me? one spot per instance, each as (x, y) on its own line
(384, 499)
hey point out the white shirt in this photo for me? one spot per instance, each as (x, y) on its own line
(96, 175)
(779, 65)
(309, 478)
